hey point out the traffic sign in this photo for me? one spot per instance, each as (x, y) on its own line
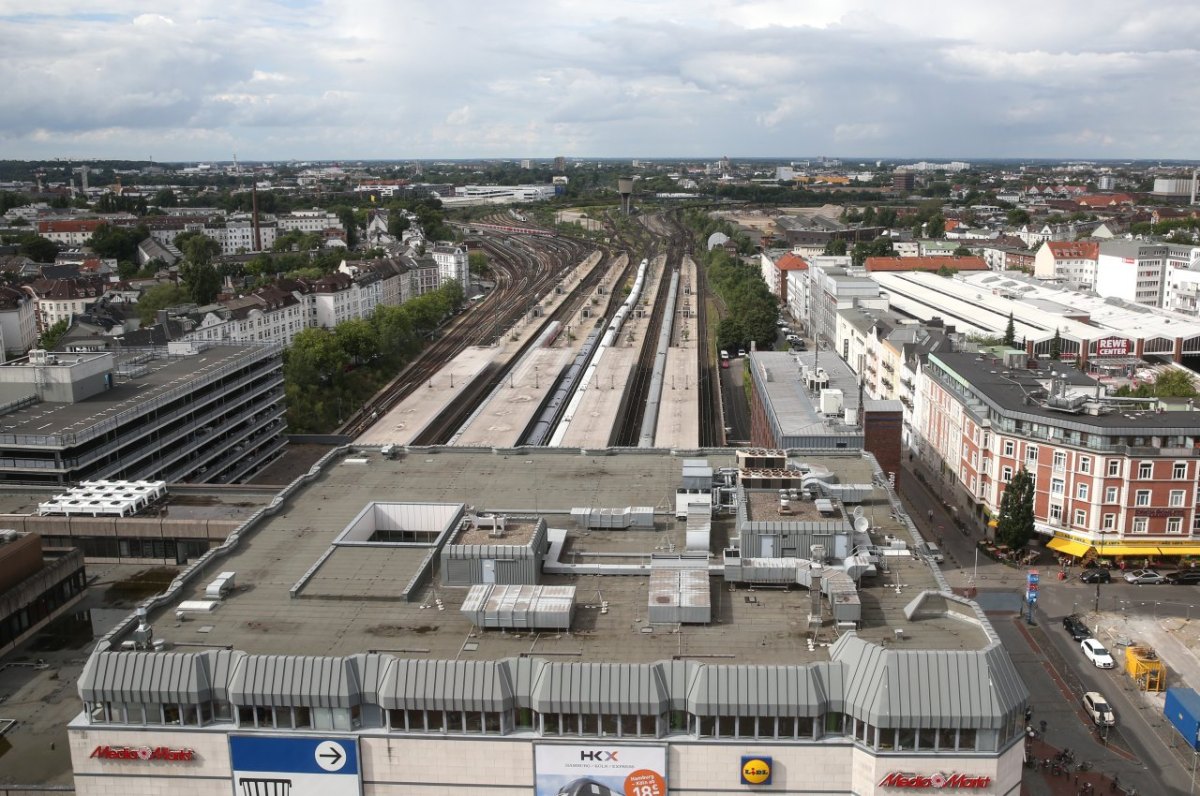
(268, 765)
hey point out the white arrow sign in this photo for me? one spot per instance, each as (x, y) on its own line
(330, 756)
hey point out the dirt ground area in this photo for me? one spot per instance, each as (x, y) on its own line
(295, 462)
(759, 220)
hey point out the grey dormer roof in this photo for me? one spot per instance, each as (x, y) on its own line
(624, 688)
(447, 685)
(928, 688)
(299, 680)
(758, 691)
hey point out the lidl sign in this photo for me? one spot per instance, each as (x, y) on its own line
(756, 770)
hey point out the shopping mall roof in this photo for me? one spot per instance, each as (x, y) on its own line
(355, 605)
(982, 303)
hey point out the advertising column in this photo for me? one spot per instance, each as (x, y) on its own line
(599, 770)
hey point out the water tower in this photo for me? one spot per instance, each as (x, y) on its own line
(625, 188)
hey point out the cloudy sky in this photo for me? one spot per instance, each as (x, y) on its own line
(277, 79)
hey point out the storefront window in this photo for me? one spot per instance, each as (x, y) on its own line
(966, 739)
(887, 739)
(946, 738)
(926, 739)
(833, 724)
(906, 740)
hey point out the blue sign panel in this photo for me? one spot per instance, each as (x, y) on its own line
(266, 765)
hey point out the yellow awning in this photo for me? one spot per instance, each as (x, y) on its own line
(1147, 549)
(1068, 546)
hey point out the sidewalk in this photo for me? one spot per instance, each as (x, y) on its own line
(1045, 780)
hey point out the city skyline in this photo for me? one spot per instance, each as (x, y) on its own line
(369, 80)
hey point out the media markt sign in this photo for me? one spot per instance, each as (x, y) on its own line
(940, 781)
(144, 754)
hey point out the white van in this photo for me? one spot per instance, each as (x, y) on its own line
(724, 354)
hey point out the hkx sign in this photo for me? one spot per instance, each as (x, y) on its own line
(598, 756)
(935, 781)
(144, 754)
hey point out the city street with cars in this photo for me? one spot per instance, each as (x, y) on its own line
(1138, 746)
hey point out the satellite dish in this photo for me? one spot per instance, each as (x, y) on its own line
(857, 512)
(861, 524)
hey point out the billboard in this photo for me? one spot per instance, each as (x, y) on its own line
(599, 769)
(266, 765)
(1112, 347)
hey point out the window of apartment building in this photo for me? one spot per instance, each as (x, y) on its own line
(1110, 522)
(1081, 491)
(1179, 470)
(1174, 524)
(1110, 494)
(1056, 487)
(1006, 474)
(1176, 498)
(1031, 454)
(1008, 447)
(1060, 460)
(1080, 518)
(1141, 524)
(1085, 465)
(1142, 498)
(1056, 513)
(1114, 466)
(1146, 470)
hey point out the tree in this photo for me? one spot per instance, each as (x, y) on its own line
(197, 248)
(962, 251)
(358, 339)
(313, 358)
(1014, 526)
(1010, 332)
(50, 337)
(119, 243)
(478, 262)
(37, 248)
(1056, 346)
(166, 198)
(201, 280)
(345, 214)
(160, 297)
(836, 247)
(1017, 217)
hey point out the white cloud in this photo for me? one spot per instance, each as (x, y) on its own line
(197, 79)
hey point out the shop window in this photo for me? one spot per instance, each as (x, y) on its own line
(906, 740)
(628, 726)
(926, 739)
(246, 715)
(946, 738)
(967, 738)
(590, 724)
(833, 724)
(708, 727)
(472, 721)
(679, 721)
(492, 724)
(785, 727)
(435, 721)
(525, 719)
(887, 739)
(727, 726)
(301, 718)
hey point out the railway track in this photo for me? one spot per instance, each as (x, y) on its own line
(629, 429)
(524, 273)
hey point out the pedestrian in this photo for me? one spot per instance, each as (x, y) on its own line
(1042, 724)
(930, 515)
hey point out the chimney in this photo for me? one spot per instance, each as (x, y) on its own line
(254, 212)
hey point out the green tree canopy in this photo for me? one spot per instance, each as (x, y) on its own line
(201, 281)
(1015, 524)
(1010, 332)
(50, 337)
(37, 248)
(119, 243)
(160, 297)
(197, 248)
(358, 339)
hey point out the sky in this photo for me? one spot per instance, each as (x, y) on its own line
(398, 79)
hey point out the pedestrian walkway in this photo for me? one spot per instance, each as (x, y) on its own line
(1046, 777)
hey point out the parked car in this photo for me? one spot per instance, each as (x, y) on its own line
(1097, 575)
(1075, 626)
(1098, 708)
(1094, 651)
(1143, 577)
(793, 338)
(1184, 577)
(930, 552)
(799, 345)
(741, 352)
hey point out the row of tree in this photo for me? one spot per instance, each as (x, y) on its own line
(751, 307)
(329, 374)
